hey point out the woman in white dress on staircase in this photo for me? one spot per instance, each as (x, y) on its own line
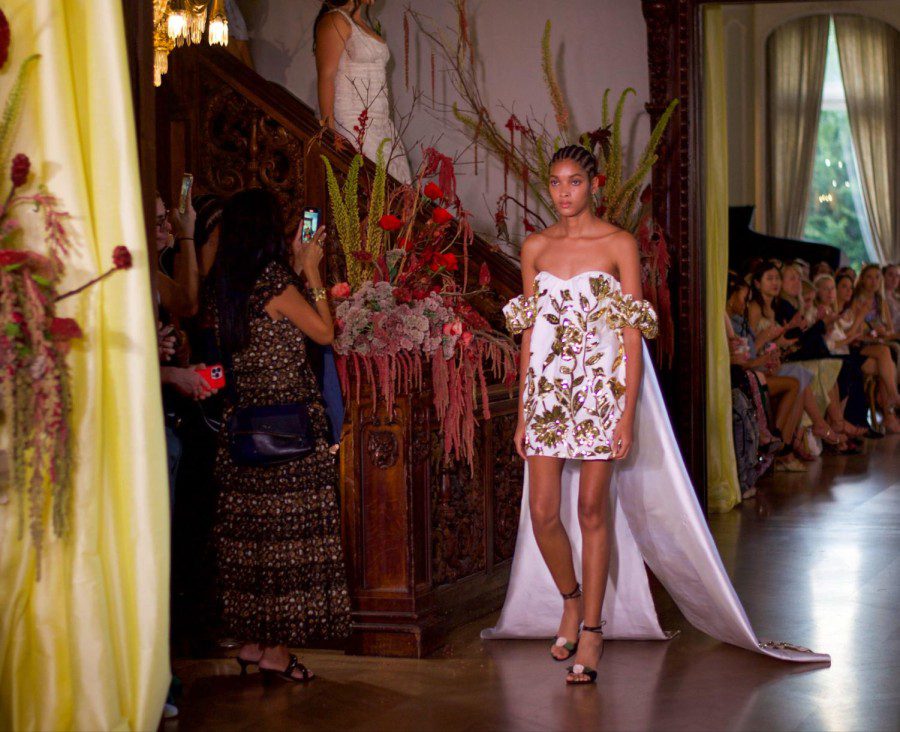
(351, 62)
(605, 488)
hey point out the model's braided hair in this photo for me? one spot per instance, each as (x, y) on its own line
(579, 154)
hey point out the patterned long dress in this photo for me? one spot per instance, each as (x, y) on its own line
(278, 528)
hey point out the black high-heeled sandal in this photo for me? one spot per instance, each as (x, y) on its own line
(580, 670)
(288, 674)
(562, 642)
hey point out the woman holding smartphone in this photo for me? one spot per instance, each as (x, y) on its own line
(278, 526)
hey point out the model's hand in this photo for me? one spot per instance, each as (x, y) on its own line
(519, 440)
(622, 439)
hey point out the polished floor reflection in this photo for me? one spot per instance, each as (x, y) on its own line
(815, 559)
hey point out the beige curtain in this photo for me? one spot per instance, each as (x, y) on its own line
(869, 51)
(795, 73)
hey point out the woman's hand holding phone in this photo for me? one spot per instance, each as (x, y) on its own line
(308, 255)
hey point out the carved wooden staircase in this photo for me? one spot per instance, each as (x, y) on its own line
(428, 545)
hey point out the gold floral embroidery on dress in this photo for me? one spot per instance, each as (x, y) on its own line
(626, 312)
(520, 313)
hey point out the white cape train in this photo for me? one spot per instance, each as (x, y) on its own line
(657, 520)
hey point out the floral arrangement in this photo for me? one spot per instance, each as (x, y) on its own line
(404, 303)
(525, 148)
(35, 394)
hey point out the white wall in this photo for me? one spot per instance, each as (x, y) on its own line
(599, 43)
(746, 29)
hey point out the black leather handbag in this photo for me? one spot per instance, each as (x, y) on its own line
(269, 435)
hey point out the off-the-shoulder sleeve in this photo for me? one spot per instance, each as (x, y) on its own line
(520, 313)
(626, 312)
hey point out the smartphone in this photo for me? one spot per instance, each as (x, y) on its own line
(186, 182)
(310, 224)
(214, 376)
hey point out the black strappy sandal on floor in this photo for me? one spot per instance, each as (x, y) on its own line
(560, 641)
(288, 674)
(578, 669)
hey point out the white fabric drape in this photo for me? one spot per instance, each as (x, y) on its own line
(869, 52)
(657, 520)
(795, 74)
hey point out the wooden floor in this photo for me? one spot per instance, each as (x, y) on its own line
(815, 559)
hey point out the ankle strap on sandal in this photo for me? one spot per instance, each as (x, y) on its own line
(573, 595)
(594, 628)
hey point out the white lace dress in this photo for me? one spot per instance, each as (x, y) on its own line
(361, 84)
(575, 383)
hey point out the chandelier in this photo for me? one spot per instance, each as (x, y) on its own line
(183, 22)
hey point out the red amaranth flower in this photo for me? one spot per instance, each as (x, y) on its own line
(362, 256)
(529, 227)
(64, 329)
(484, 275)
(441, 216)
(11, 257)
(407, 244)
(433, 192)
(601, 211)
(389, 222)
(19, 170)
(121, 257)
(601, 180)
(4, 39)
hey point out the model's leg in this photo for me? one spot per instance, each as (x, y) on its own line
(543, 503)
(593, 517)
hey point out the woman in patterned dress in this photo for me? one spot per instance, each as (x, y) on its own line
(278, 527)
(582, 319)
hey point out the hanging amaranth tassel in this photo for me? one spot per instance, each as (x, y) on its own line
(477, 135)
(406, 50)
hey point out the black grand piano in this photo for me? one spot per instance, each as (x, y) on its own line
(744, 244)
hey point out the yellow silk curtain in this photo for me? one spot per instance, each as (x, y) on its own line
(86, 647)
(723, 489)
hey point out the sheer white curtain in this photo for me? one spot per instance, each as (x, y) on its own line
(795, 71)
(869, 51)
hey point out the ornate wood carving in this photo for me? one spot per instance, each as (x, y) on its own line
(457, 515)
(507, 476)
(382, 449)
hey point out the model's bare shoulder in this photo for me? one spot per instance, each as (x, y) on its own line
(532, 246)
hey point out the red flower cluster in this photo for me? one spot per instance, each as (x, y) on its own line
(448, 261)
(441, 216)
(389, 222)
(340, 291)
(433, 192)
(12, 257)
(4, 38)
(21, 166)
(64, 329)
(121, 258)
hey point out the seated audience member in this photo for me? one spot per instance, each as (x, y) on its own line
(845, 337)
(869, 293)
(810, 351)
(761, 315)
(783, 386)
(846, 271)
(821, 268)
(891, 275)
(843, 282)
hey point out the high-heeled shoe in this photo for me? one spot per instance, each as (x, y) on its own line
(288, 673)
(582, 670)
(561, 641)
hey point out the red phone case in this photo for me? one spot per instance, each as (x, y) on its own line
(214, 376)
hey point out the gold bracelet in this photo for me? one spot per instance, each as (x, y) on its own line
(319, 293)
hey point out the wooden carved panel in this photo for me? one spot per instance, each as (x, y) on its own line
(241, 147)
(508, 472)
(457, 514)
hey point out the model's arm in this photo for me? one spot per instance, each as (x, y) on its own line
(528, 274)
(331, 37)
(630, 278)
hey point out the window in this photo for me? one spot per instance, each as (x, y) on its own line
(836, 213)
